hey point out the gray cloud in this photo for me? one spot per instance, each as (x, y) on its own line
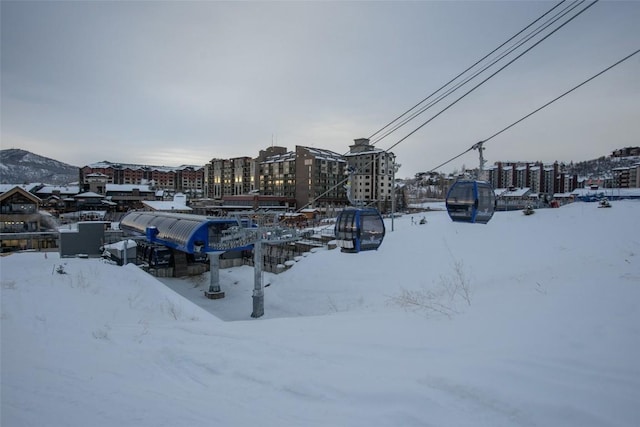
(176, 82)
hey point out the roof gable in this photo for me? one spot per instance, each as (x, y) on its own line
(19, 190)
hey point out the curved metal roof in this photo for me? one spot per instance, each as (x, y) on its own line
(189, 233)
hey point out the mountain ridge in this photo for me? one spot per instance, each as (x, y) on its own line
(18, 166)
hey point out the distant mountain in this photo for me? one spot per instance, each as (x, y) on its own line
(21, 167)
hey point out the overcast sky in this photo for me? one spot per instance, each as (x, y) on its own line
(171, 83)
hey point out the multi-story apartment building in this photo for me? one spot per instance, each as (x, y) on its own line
(277, 175)
(373, 172)
(190, 180)
(319, 178)
(312, 176)
(508, 176)
(186, 179)
(621, 177)
(549, 180)
(626, 152)
(229, 177)
(535, 178)
(634, 176)
(540, 178)
(521, 177)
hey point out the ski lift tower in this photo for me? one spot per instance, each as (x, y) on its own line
(479, 146)
(269, 233)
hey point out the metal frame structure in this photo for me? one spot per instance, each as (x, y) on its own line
(213, 236)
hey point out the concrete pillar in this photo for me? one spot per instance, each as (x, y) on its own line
(258, 291)
(214, 291)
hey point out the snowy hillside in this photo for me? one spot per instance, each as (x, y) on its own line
(20, 166)
(528, 320)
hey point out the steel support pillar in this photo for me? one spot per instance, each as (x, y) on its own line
(214, 291)
(258, 290)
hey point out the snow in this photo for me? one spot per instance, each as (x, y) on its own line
(122, 245)
(525, 321)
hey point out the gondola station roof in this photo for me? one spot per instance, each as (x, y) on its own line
(190, 233)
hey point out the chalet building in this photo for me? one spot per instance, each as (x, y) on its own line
(373, 175)
(108, 196)
(90, 201)
(57, 199)
(19, 211)
(126, 197)
(22, 225)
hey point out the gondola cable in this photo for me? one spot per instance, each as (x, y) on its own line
(474, 201)
(458, 85)
(538, 109)
(563, 95)
(456, 101)
(465, 71)
(490, 76)
(461, 97)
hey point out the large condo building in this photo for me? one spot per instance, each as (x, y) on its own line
(312, 176)
(540, 178)
(373, 173)
(186, 179)
(229, 177)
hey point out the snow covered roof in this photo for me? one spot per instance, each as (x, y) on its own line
(280, 157)
(364, 153)
(120, 246)
(19, 189)
(90, 194)
(106, 164)
(516, 192)
(27, 187)
(62, 189)
(322, 154)
(171, 205)
(129, 188)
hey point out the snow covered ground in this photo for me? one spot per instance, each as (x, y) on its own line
(525, 321)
